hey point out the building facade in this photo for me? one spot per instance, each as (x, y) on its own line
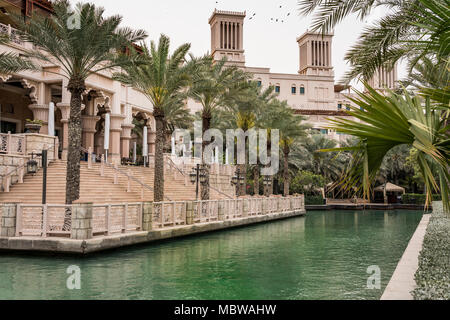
(311, 91)
(28, 95)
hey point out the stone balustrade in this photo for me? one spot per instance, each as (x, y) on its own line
(16, 149)
(89, 220)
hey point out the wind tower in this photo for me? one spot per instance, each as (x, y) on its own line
(315, 54)
(384, 79)
(227, 36)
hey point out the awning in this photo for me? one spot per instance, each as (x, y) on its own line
(390, 187)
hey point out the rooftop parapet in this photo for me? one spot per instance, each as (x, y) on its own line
(228, 13)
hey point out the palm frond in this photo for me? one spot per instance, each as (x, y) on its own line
(11, 62)
(390, 121)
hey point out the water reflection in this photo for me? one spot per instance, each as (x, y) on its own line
(322, 256)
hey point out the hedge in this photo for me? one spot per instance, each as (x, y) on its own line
(314, 200)
(412, 198)
(433, 275)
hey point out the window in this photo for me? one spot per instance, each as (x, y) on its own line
(361, 108)
(277, 89)
(339, 106)
(7, 126)
(302, 90)
(259, 83)
(6, 108)
(294, 90)
(324, 131)
(347, 107)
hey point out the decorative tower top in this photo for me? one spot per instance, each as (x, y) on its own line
(227, 36)
(384, 79)
(315, 54)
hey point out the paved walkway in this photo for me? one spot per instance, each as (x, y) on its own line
(402, 281)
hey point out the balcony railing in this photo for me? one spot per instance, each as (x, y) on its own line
(12, 144)
(12, 33)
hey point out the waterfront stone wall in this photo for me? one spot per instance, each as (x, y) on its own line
(130, 223)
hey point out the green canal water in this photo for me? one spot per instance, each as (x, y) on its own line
(322, 256)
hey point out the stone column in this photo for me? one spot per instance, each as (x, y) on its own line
(292, 203)
(98, 143)
(8, 220)
(189, 212)
(264, 206)
(88, 123)
(81, 221)
(65, 115)
(125, 139)
(245, 208)
(40, 112)
(147, 216)
(151, 141)
(221, 208)
(114, 140)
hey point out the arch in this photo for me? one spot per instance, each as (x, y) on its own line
(302, 89)
(294, 88)
(277, 88)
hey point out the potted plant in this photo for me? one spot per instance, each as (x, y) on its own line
(33, 126)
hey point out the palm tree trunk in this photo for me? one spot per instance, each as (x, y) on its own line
(268, 189)
(286, 172)
(73, 156)
(256, 180)
(158, 192)
(205, 187)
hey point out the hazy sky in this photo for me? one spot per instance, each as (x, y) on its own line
(266, 43)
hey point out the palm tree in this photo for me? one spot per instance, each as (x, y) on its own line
(215, 86)
(265, 115)
(413, 29)
(394, 166)
(391, 121)
(12, 63)
(95, 46)
(177, 116)
(306, 156)
(245, 111)
(291, 129)
(163, 79)
(416, 30)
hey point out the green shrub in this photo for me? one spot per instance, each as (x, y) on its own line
(433, 275)
(314, 200)
(306, 182)
(412, 198)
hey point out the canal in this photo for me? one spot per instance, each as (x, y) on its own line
(324, 255)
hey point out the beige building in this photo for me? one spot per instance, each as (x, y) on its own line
(28, 95)
(311, 90)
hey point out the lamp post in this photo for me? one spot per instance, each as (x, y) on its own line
(238, 181)
(267, 181)
(32, 169)
(197, 176)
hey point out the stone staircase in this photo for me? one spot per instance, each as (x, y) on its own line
(101, 189)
